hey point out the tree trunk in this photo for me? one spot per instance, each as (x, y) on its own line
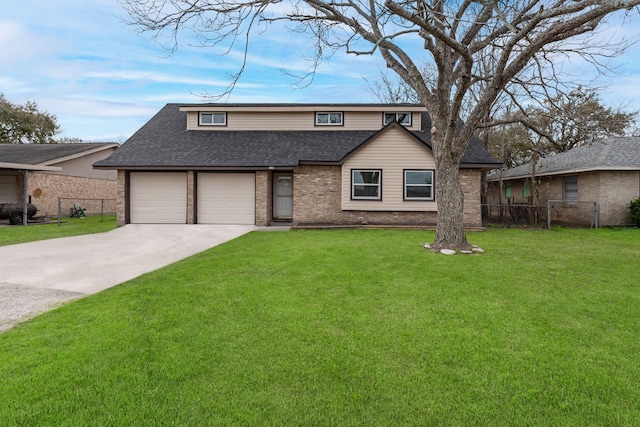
(450, 232)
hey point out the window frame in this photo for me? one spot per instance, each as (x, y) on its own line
(379, 185)
(419, 199)
(329, 113)
(565, 199)
(213, 114)
(396, 114)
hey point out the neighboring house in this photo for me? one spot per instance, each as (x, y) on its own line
(606, 173)
(325, 164)
(52, 171)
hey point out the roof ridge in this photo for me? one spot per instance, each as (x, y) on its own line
(604, 153)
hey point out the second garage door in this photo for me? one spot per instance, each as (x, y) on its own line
(226, 198)
(158, 198)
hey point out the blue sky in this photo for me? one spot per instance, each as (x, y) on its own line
(79, 61)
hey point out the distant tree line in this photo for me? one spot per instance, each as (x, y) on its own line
(26, 124)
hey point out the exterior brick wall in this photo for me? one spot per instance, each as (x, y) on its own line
(122, 197)
(317, 200)
(617, 190)
(612, 190)
(264, 207)
(52, 186)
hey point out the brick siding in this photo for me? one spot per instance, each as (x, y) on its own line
(53, 186)
(122, 198)
(264, 198)
(612, 190)
(317, 200)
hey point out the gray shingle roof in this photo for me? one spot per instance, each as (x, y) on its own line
(620, 153)
(164, 142)
(37, 154)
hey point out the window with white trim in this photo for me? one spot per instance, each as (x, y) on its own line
(402, 118)
(213, 119)
(418, 185)
(332, 118)
(571, 189)
(366, 184)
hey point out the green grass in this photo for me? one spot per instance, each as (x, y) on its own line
(68, 227)
(346, 328)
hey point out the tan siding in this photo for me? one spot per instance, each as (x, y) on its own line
(305, 120)
(393, 152)
(82, 166)
(192, 120)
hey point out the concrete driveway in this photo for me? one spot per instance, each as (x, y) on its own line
(38, 276)
(93, 262)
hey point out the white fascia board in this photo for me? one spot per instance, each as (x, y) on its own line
(574, 171)
(303, 107)
(22, 166)
(77, 155)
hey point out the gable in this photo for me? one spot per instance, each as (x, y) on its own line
(392, 145)
(392, 151)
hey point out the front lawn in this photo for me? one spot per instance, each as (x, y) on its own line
(67, 227)
(346, 328)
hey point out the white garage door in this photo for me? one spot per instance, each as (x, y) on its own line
(158, 197)
(8, 189)
(226, 198)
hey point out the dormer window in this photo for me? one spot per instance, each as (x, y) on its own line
(402, 118)
(213, 119)
(329, 118)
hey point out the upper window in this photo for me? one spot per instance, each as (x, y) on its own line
(329, 119)
(418, 185)
(213, 119)
(571, 189)
(402, 118)
(366, 184)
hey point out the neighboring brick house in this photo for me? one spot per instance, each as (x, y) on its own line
(606, 173)
(53, 171)
(327, 164)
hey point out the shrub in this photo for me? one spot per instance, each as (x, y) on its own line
(635, 211)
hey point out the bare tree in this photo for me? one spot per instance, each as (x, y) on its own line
(455, 36)
(575, 118)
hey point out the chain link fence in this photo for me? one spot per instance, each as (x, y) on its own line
(80, 207)
(556, 212)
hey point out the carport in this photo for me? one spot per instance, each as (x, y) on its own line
(25, 168)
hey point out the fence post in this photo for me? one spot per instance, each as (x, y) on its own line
(548, 214)
(59, 210)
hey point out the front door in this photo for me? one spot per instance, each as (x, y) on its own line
(282, 195)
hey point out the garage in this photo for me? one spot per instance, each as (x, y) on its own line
(226, 198)
(8, 189)
(158, 197)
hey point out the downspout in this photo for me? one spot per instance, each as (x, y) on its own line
(25, 197)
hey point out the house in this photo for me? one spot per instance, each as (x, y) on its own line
(308, 164)
(601, 177)
(52, 171)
